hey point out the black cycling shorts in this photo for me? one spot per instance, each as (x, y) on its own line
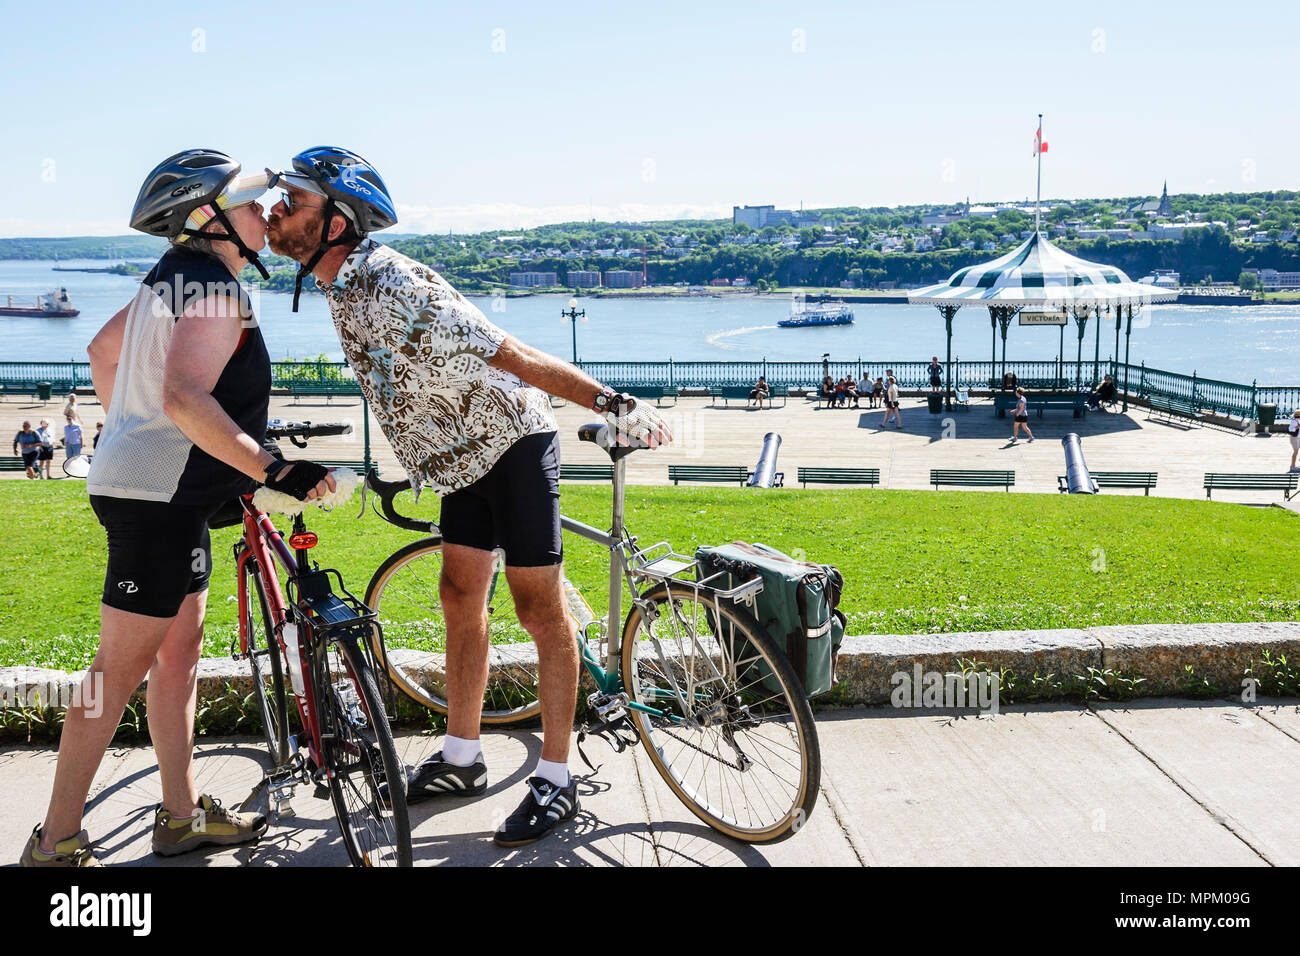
(158, 553)
(515, 506)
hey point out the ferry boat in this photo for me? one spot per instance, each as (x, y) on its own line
(51, 305)
(831, 313)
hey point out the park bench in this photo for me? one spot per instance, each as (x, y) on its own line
(586, 472)
(668, 391)
(1005, 403)
(716, 392)
(774, 392)
(328, 389)
(1146, 480)
(840, 476)
(960, 476)
(16, 386)
(1173, 407)
(1283, 483)
(721, 473)
(8, 463)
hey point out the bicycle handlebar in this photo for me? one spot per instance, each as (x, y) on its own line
(299, 432)
(386, 492)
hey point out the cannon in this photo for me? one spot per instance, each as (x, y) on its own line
(765, 473)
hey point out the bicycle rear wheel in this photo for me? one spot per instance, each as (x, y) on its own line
(733, 735)
(264, 660)
(404, 592)
(360, 755)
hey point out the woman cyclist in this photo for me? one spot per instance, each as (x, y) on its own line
(184, 376)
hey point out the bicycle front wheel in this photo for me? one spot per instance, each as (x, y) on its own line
(360, 755)
(264, 660)
(404, 592)
(730, 730)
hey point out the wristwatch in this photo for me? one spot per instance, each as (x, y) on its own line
(275, 466)
(606, 400)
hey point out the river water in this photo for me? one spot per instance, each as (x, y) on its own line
(1233, 343)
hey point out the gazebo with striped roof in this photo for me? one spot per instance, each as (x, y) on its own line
(1038, 275)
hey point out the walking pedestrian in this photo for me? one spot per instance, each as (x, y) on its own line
(71, 436)
(46, 436)
(1293, 432)
(1021, 417)
(29, 443)
(891, 404)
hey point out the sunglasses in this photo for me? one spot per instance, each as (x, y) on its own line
(290, 205)
(287, 198)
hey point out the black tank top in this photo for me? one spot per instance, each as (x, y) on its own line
(243, 389)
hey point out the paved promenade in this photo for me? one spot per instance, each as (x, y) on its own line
(1155, 782)
(967, 438)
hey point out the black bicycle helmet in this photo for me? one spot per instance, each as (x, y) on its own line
(181, 184)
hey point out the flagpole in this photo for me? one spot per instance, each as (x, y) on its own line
(1038, 198)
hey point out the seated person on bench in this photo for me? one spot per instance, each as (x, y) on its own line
(1105, 393)
(760, 391)
(828, 390)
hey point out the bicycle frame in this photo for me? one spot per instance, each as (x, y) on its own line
(627, 565)
(263, 543)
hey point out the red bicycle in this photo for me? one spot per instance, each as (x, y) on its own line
(323, 640)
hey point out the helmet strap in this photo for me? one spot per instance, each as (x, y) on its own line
(231, 235)
(326, 244)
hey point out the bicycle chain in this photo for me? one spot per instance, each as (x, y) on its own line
(737, 765)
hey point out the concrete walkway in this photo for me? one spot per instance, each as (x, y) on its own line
(1156, 782)
(972, 437)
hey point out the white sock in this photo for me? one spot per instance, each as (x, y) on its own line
(460, 752)
(556, 773)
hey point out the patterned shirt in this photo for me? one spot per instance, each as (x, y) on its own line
(420, 352)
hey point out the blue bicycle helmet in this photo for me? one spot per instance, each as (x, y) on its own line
(350, 185)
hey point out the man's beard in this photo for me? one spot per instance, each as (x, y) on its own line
(300, 248)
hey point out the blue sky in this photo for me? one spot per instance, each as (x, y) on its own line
(502, 115)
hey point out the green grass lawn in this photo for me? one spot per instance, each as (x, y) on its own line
(912, 560)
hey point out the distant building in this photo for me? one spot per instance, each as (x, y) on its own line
(1108, 233)
(1174, 230)
(584, 279)
(529, 280)
(623, 279)
(719, 282)
(758, 217)
(1156, 207)
(740, 281)
(1272, 280)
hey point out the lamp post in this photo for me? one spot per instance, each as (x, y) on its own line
(572, 315)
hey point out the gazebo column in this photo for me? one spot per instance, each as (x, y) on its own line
(1119, 318)
(948, 311)
(1096, 347)
(1001, 315)
(993, 359)
(1081, 319)
(1128, 333)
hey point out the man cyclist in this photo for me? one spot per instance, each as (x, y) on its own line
(465, 408)
(184, 376)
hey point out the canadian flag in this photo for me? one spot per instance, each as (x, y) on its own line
(1040, 146)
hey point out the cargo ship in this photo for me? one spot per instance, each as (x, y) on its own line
(831, 313)
(51, 305)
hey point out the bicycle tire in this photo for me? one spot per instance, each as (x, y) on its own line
(264, 660)
(360, 754)
(404, 593)
(737, 719)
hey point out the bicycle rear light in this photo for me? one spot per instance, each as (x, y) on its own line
(302, 540)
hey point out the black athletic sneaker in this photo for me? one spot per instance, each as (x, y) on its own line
(435, 777)
(545, 807)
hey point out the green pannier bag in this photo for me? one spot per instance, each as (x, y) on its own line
(798, 606)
